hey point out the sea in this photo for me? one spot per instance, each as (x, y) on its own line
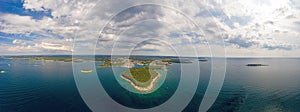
(49, 86)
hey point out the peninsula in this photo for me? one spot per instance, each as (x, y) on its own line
(141, 79)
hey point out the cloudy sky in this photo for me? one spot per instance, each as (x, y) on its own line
(232, 28)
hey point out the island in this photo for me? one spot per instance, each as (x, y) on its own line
(202, 59)
(86, 70)
(256, 64)
(141, 79)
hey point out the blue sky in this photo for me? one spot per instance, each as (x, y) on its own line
(242, 28)
(16, 7)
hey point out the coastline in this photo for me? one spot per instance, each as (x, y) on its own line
(143, 89)
(86, 71)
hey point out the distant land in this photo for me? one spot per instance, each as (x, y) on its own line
(256, 64)
(143, 78)
(109, 60)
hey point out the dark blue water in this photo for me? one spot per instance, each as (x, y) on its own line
(50, 86)
(274, 88)
(43, 87)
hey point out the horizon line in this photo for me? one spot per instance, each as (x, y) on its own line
(149, 55)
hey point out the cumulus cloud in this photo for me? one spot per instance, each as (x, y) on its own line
(17, 41)
(149, 45)
(244, 24)
(241, 42)
(53, 46)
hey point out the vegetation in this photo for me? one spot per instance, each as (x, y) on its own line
(65, 59)
(42, 58)
(177, 60)
(140, 74)
(108, 63)
(141, 77)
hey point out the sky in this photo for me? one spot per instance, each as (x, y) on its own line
(231, 28)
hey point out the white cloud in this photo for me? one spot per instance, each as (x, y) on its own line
(247, 24)
(52, 46)
(17, 41)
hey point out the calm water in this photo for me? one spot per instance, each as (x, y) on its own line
(50, 86)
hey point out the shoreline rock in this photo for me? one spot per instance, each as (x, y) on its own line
(150, 87)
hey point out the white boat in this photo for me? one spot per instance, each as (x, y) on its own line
(2, 71)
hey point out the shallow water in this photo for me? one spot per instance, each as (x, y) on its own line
(50, 86)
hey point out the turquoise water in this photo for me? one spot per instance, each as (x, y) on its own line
(50, 86)
(116, 91)
(117, 71)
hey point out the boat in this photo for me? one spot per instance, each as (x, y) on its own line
(2, 71)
